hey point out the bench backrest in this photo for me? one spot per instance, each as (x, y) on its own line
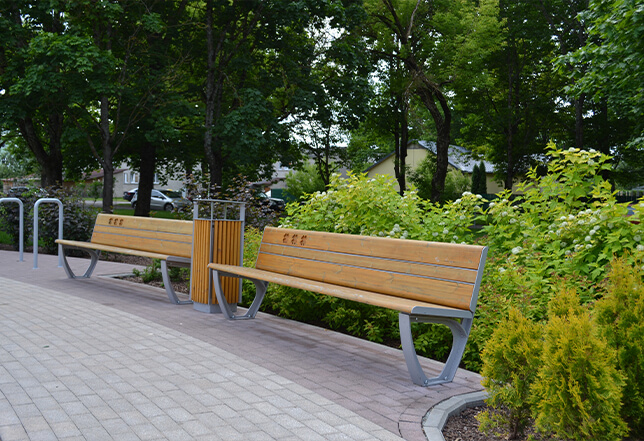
(163, 236)
(440, 273)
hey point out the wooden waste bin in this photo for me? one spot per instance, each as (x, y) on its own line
(215, 241)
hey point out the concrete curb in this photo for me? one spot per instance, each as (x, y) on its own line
(437, 417)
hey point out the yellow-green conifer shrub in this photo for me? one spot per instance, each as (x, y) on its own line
(620, 315)
(510, 361)
(578, 390)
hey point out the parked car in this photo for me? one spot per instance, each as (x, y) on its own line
(14, 192)
(275, 204)
(166, 200)
(129, 195)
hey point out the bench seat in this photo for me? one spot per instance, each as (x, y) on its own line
(168, 240)
(427, 282)
(371, 298)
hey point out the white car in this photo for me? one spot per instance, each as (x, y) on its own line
(166, 200)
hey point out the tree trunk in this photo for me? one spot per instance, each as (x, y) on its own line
(404, 142)
(579, 121)
(212, 149)
(147, 167)
(442, 117)
(51, 163)
(108, 156)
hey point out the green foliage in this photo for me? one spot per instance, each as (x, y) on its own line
(603, 68)
(455, 182)
(510, 363)
(151, 273)
(479, 179)
(560, 233)
(620, 316)
(304, 181)
(358, 205)
(78, 219)
(578, 392)
(422, 176)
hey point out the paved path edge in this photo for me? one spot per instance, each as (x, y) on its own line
(437, 416)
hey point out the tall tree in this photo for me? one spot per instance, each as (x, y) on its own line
(339, 93)
(43, 67)
(608, 68)
(258, 55)
(119, 31)
(425, 36)
(508, 103)
(569, 33)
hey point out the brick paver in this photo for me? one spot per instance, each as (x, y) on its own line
(106, 359)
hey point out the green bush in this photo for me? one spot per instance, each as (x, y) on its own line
(456, 183)
(78, 218)
(152, 273)
(304, 182)
(577, 393)
(560, 233)
(511, 360)
(479, 179)
(620, 315)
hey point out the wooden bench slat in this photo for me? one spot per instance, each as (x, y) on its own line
(152, 234)
(371, 298)
(376, 263)
(453, 294)
(456, 255)
(145, 223)
(178, 246)
(111, 249)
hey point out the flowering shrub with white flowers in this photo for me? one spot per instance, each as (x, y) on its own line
(560, 230)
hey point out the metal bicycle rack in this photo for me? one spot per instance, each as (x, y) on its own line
(60, 229)
(20, 225)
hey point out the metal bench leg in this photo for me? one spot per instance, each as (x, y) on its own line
(460, 334)
(260, 290)
(172, 295)
(94, 255)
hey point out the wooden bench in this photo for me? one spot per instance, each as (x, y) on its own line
(424, 281)
(165, 239)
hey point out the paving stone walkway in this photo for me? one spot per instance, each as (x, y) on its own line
(105, 359)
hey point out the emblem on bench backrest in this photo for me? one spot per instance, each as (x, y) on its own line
(117, 222)
(294, 239)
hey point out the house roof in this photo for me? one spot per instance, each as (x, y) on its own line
(458, 157)
(97, 174)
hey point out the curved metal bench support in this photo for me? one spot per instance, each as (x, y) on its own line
(260, 291)
(169, 289)
(94, 256)
(460, 334)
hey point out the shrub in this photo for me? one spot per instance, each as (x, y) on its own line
(258, 214)
(620, 315)
(304, 182)
(78, 219)
(358, 205)
(455, 182)
(510, 362)
(479, 179)
(578, 390)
